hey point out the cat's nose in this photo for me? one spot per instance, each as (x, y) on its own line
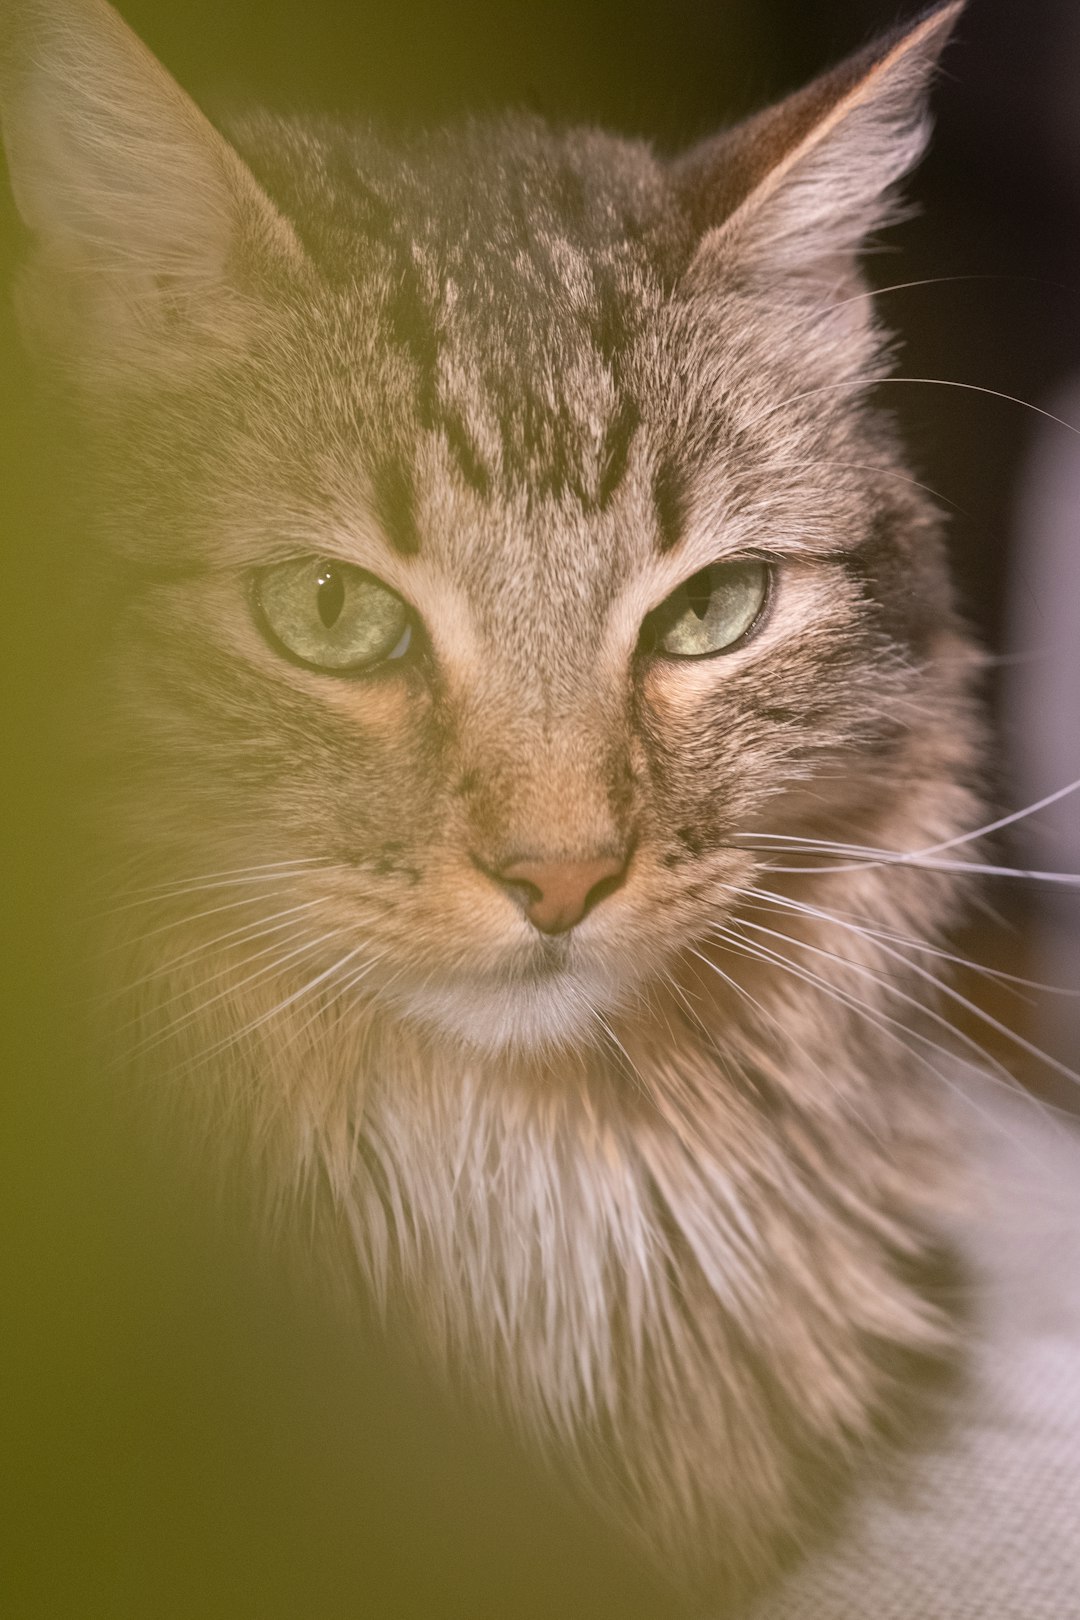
(557, 894)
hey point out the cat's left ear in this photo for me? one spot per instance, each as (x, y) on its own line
(797, 188)
(149, 236)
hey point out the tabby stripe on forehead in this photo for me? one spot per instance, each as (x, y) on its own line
(412, 325)
(616, 452)
(394, 506)
(470, 463)
(670, 498)
(414, 329)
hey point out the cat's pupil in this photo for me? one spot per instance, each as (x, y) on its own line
(331, 594)
(699, 592)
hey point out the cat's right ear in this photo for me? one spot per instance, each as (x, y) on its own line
(148, 232)
(794, 192)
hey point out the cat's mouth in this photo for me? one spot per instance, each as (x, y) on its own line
(543, 999)
(547, 957)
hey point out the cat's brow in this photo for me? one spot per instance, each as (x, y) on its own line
(615, 456)
(669, 498)
(392, 488)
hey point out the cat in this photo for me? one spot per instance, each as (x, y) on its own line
(521, 623)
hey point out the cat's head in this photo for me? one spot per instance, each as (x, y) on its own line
(502, 531)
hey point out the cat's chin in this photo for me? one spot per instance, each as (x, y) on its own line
(551, 1013)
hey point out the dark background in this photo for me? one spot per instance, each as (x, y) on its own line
(182, 1435)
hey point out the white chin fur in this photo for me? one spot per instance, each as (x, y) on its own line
(565, 1009)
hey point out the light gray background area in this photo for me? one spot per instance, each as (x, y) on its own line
(986, 1526)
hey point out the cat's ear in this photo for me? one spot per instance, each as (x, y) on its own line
(146, 227)
(799, 186)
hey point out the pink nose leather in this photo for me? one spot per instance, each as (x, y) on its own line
(557, 894)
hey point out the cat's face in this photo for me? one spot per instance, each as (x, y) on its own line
(643, 573)
(533, 501)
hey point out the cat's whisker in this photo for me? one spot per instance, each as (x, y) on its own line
(769, 1016)
(860, 384)
(887, 858)
(684, 1001)
(768, 900)
(1036, 655)
(128, 942)
(350, 983)
(185, 892)
(361, 973)
(726, 933)
(888, 984)
(955, 842)
(944, 988)
(1070, 880)
(260, 928)
(235, 1037)
(598, 1018)
(876, 937)
(185, 993)
(1003, 821)
(175, 1026)
(182, 884)
(873, 467)
(990, 1065)
(891, 1028)
(875, 1016)
(871, 294)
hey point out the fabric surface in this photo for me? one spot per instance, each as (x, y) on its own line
(985, 1523)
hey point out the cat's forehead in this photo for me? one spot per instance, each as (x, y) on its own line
(486, 307)
(514, 275)
(500, 360)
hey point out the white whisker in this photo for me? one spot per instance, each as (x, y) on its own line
(260, 928)
(947, 843)
(223, 872)
(176, 1025)
(1013, 982)
(871, 294)
(890, 1028)
(156, 897)
(944, 988)
(765, 1013)
(879, 858)
(872, 467)
(126, 943)
(858, 384)
(996, 1070)
(237, 1035)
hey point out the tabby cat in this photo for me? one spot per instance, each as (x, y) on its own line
(518, 611)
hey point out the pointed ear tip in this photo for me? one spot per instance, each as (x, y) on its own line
(937, 23)
(921, 40)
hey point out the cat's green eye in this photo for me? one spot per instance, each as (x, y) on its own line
(330, 615)
(712, 612)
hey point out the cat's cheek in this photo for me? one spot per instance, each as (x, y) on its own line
(389, 701)
(676, 692)
(382, 707)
